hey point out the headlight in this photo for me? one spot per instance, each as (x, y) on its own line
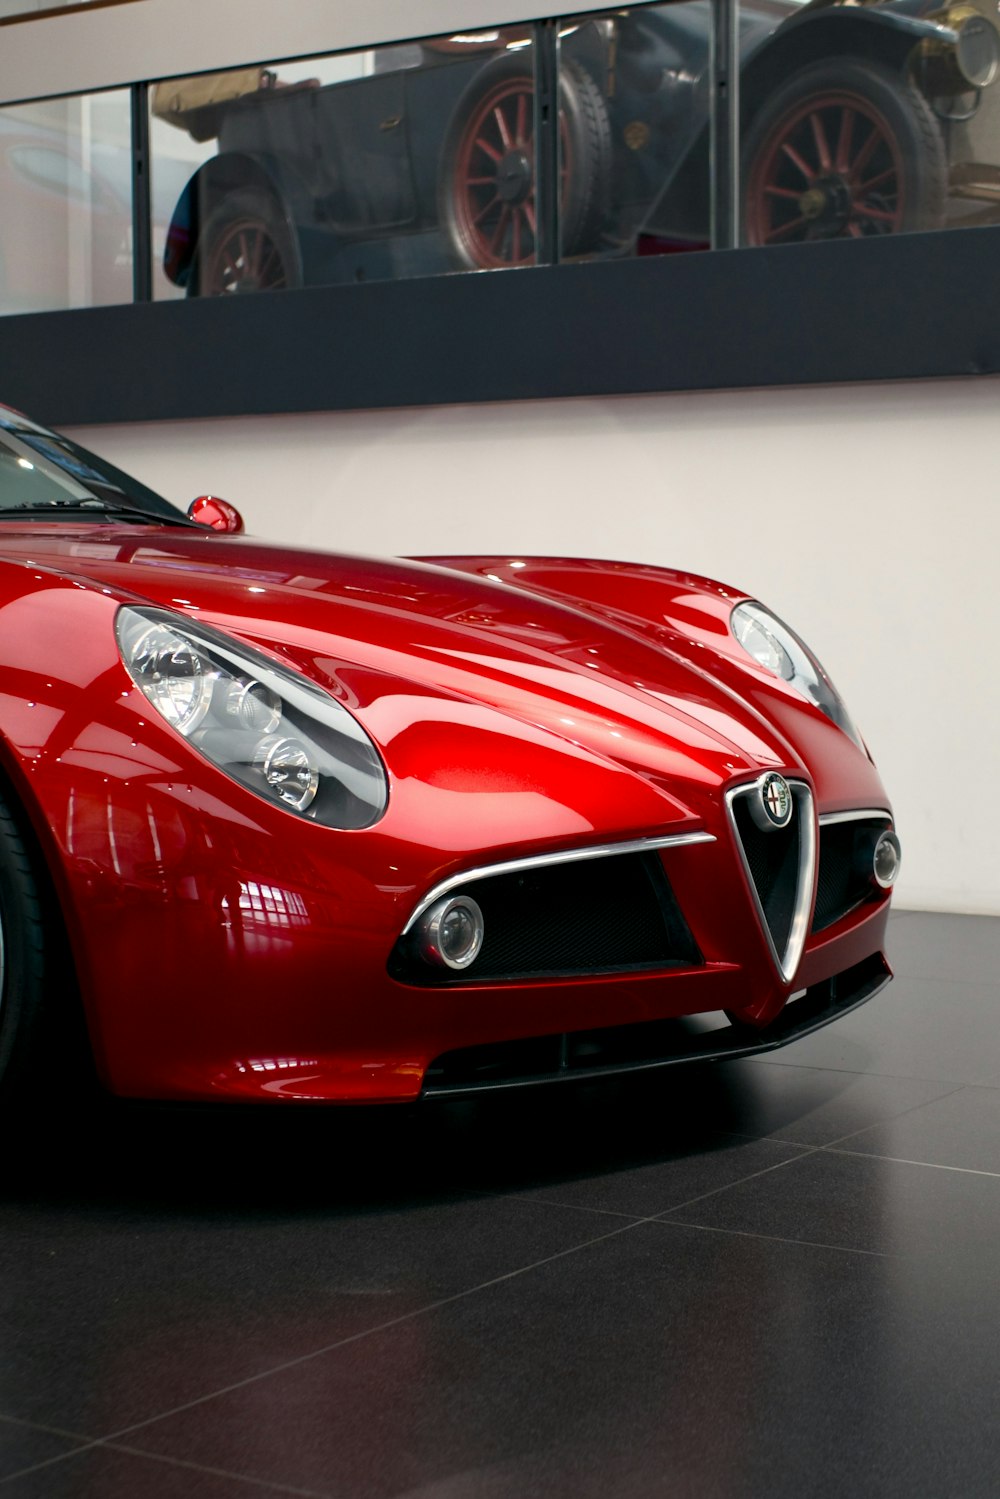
(964, 56)
(774, 646)
(269, 728)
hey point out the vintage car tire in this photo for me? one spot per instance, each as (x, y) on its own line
(22, 955)
(245, 245)
(486, 232)
(804, 150)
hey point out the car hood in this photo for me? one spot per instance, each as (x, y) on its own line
(383, 634)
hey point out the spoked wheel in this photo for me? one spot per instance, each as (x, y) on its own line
(487, 185)
(245, 246)
(843, 150)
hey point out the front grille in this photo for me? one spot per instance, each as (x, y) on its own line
(773, 862)
(593, 916)
(647, 1044)
(845, 864)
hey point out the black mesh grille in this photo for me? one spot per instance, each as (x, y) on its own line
(773, 859)
(605, 915)
(845, 863)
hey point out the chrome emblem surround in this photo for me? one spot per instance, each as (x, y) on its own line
(786, 962)
(772, 805)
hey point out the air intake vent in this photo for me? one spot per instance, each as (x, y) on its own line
(846, 845)
(780, 862)
(609, 915)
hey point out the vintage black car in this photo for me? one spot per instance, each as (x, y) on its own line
(854, 119)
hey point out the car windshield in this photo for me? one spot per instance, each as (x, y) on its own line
(51, 477)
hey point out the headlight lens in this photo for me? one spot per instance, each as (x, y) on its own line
(269, 728)
(777, 648)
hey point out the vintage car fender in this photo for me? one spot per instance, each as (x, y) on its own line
(882, 35)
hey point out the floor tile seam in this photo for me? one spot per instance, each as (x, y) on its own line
(802, 1155)
(181, 1462)
(943, 978)
(51, 1462)
(893, 1077)
(114, 1437)
(52, 1431)
(577, 1207)
(899, 1160)
(893, 1118)
(666, 1221)
(260, 1484)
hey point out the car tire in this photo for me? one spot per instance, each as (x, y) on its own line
(23, 950)
(486, 228)
(832, 124)
(245, 245)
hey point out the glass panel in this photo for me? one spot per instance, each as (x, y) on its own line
(66, 229)
(862, 120)
(396, 161)
(634, 131)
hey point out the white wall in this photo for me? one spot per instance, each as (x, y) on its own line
(865, 516)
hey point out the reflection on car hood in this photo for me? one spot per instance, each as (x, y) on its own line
(360, 624)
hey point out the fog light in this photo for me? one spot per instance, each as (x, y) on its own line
(886, 861)
(451, 931)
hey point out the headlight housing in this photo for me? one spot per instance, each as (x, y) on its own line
(269, 728)
(778, 649)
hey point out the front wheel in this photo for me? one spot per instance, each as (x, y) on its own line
(22, 955)
(487, 203)
(245, 246)
(844, 149)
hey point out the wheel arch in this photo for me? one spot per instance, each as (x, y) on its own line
(64, 950)
(863, 35)
(210, 186)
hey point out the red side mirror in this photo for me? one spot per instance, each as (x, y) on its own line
(216, 514)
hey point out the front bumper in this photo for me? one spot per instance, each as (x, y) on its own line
(578, 1055)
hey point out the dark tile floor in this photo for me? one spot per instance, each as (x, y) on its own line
(770, 1278)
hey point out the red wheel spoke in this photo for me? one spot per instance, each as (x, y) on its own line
(500, 230)
(866, 153)
(515, 245)
(486, 208)
(529, 214)
(785, 229)
(855, 231)
(782, 192)
(271, 263)
(844, 139)
(796, 160)
(863, 211)
(491, 151)
(873, 182)
(501, 119)
(257, 252)
(822, 145)
(481, 181)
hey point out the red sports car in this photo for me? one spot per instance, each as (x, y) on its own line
(292, 826)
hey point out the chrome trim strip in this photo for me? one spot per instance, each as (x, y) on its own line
(563, 856)
(787, 962)
(825, 818)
